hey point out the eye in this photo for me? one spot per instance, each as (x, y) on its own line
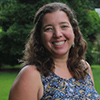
(64, 26)
(48, 29)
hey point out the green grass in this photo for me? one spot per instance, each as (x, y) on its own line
(96, 75)
(7, 78)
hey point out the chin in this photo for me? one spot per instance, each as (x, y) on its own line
(60, 53)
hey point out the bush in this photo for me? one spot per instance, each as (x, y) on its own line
(16, 21)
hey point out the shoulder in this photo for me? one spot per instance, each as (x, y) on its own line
(86, 65)
(27, 83)
(89, 71)
(28, 73)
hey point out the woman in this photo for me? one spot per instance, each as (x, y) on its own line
(54, 66)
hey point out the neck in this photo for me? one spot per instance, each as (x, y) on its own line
(61, 68)
(60, 62)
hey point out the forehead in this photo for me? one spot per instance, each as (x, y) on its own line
(55, 16)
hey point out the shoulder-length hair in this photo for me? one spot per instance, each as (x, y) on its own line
(36, 54)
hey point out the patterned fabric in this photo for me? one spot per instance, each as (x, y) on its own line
(56, 88)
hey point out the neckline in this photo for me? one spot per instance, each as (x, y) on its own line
(69, 79)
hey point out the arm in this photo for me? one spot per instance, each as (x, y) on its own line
(27, 85)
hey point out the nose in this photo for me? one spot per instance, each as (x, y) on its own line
(57, 33)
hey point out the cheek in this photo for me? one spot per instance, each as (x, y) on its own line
(46, 38)
(70, 34)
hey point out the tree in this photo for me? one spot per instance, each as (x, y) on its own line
(16, 22)
(88, 21)
(96, 3)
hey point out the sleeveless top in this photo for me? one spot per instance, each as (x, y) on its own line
(57, 88)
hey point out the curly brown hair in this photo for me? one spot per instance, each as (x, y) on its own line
(36, 54)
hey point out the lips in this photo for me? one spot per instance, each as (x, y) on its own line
(59, 43)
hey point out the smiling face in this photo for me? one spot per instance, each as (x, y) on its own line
(57, 33)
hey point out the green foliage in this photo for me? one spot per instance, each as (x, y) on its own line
(96, 50)
(89, 22)
(96, 3)
(0, 30)
(94, 22)
(92, 30)
(16, 21)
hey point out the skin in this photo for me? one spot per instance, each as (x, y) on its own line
(57, 36)
(57, 33)
(27, 85)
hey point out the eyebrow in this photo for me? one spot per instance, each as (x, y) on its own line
(64, 23)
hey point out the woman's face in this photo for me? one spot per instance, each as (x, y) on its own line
(57, 33)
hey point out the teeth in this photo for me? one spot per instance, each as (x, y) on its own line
(59, 43)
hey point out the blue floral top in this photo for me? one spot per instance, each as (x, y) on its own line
(57, 88)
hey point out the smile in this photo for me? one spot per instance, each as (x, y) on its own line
(59, 43)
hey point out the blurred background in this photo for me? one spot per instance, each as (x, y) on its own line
(16, 22)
